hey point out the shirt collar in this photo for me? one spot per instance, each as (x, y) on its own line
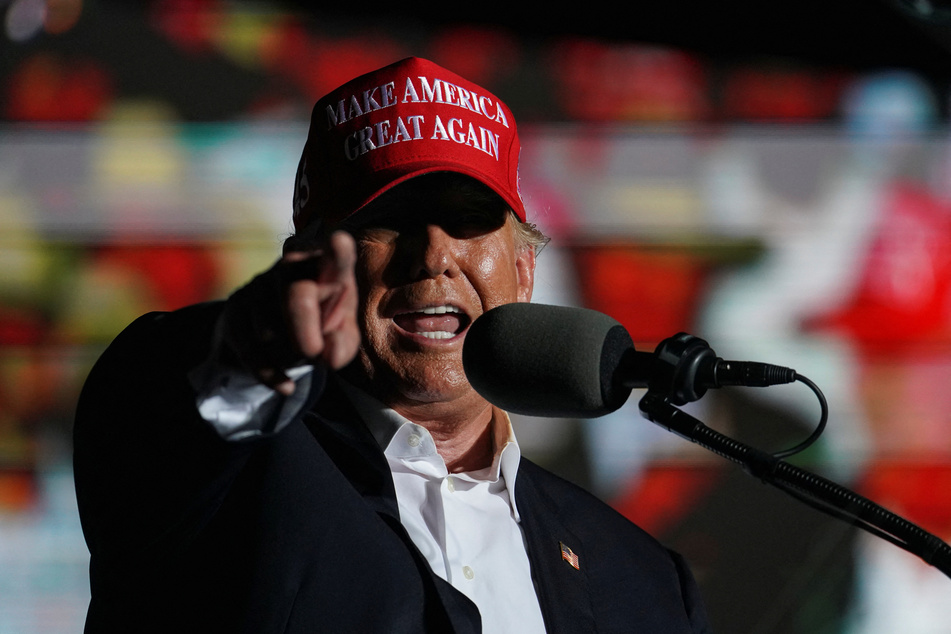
(394, 433)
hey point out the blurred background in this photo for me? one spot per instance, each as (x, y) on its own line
(773, 178)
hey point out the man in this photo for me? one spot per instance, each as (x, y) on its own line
(309, 456)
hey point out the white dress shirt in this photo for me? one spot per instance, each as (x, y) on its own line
(465, 524)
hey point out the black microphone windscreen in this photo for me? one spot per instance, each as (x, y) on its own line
(552, 361)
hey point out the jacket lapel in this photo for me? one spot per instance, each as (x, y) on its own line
(338, 428)
(557, 558)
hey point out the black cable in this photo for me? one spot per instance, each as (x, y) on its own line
(823, 419)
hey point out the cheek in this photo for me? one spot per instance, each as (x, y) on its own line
(497, 276)
(370, 293)
(488, 266)
(371, 259)
(369, 273)
(371, 324)
(374, 336)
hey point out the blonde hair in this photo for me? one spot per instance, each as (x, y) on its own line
(529, 236)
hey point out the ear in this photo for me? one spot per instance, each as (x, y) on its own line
(525, 270)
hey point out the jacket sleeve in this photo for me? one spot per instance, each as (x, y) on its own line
(149, 471)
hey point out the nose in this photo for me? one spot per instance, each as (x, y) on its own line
(433, 253)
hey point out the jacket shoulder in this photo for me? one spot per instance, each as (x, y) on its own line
(631, 576)
(579, 507)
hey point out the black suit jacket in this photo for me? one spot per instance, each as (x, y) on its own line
(300, 531)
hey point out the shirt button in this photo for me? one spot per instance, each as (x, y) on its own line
(414, 440)
(451, 485)
(467, 572)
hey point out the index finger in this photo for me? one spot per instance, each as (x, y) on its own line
(338, 258)
(339, 301)
(323, 295)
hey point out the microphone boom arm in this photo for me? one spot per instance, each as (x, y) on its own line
(807, 487)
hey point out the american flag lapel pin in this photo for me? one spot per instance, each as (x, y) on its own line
(569, 556)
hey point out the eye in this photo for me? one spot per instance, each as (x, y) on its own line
(378, 224)
(378, 234)
(471, 223)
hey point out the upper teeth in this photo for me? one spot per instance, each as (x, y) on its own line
(439, 310)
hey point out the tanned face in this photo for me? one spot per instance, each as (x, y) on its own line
(431, 258)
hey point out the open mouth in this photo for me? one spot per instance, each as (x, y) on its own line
(434, 322)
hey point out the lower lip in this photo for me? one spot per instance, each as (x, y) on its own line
(423, 340)
(421, 336)
(431, 341)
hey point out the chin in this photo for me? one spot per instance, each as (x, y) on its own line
(429, 380)
(441, 389)
(435, 380)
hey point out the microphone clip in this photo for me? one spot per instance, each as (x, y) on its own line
(684, 367)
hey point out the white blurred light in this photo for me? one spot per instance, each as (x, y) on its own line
(25, 19)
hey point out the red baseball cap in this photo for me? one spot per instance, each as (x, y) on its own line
(406, 119)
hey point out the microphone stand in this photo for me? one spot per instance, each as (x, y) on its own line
(814, 490)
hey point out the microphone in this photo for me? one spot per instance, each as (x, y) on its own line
(543, 360)
(559, 361)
